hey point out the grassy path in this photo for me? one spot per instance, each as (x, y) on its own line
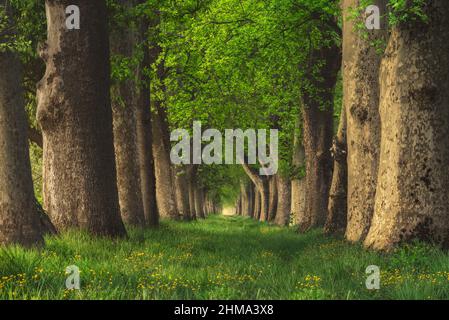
(220, 258)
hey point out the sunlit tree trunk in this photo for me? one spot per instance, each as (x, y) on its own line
(74, 112)
(361, 65)
(413, 186)
(165, 189)
(124, 108)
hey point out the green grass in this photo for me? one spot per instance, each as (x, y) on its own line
(220, 258)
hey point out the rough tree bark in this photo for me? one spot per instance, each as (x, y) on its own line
(317, 135)
(19, 217)
(165, 190)
(412, 197)
(361, 65)
(74, 112)
(337, 210)
(144, 128)
(284, 201)
(124, 105)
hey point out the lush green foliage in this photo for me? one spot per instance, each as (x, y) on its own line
(241, 64)
(220, 258)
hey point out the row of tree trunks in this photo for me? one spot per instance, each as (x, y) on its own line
(249, 200)
(412, 197)
(262, 190)
(19, 216)
(74, 113)
(397, 126)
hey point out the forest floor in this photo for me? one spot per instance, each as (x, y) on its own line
(220, 258)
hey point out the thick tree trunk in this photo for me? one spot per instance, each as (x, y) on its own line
(317, 142)
(284, 201)
(273, 194)
(144, 129)
(361, 65)
(413, 186)
(126, 155)
(165, 190)
(74, 112)
(182, 192)
(317, 135)
(124, 108)
(337, 211)
(19, 217)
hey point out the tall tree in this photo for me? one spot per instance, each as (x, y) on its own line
(413, 186)
(124, 111)
(361, 65)
(19, 216)
(144, 125)
(74, 112)
(318, 128)
(165, 186)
